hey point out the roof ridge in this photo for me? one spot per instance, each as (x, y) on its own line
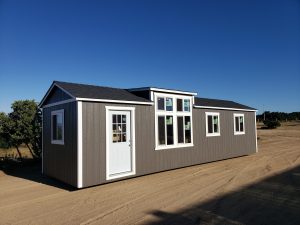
(92, 85)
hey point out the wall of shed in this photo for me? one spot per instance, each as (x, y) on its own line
(206, 149)
(60, 161)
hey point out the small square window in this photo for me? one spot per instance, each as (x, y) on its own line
(161, 103)
(187, 105)
(169, 104)
(179, 105)
(239, 124)
(212, 124)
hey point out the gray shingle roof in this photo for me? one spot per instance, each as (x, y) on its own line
(208, 102)
(99, 92)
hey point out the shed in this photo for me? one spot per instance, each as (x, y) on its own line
(94, 135)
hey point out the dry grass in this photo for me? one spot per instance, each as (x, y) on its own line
(12, 152)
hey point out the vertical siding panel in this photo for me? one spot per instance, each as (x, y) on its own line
(148, 160)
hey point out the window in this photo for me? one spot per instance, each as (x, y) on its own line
(173, 121)
(57, 127)
(239, 124)
(184, 129)
(212, 124)
(186, 105)
(118, 128)
(179, 105)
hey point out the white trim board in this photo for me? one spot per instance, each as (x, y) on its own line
(79, 145)
(114, 101)
(42, 141)
(107, 130)
(234, 109)
(255, 132)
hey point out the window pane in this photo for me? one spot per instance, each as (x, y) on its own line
(187, 128)
(161, 130)
(169, 104)
(59, 119)
(236, 124)
(161, 103)
(114, 118)
(216, 124)
(59, 132)
(123, 137)
(123, 127)
(186, 105)
(123, 118)
(209, 124)
(54, 127)
(179, 105)
(241, 124)
(180, 129)
(169, 122)
(119, 119)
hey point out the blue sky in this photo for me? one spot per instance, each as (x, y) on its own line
(246, 51)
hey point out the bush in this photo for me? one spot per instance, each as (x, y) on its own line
(272, 124)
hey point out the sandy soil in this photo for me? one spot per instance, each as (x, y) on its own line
(263, 188)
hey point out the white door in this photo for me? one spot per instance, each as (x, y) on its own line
(119, 148)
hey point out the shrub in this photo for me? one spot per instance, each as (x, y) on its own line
(272, 124)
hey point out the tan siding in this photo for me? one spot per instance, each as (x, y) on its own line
(60, 161)
(148, 160)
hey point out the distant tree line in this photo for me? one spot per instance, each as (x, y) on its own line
(278, 116)
(22, 126)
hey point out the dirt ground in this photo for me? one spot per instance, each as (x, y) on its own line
(263, 188)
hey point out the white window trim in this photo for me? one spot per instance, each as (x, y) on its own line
(219, 124)
(173, 113)
(234, 130)
(132, 119)
(58, 142)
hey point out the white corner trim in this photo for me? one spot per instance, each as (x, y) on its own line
(59, 103)
(255, 132)
(107, 129)
(42, 141)
(212, 107)
(114, 101)
(79, 145)
(219, 124)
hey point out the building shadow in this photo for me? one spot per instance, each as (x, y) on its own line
(275, 200)
(30, 169)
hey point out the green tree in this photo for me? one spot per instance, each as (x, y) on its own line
(9, 132)
(27, 124)
(22, 125)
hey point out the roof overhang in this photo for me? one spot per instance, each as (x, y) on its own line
(163, 90)
(224, 108)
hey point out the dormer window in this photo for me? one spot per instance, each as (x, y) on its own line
(173, 121)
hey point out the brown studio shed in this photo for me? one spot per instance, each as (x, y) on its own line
(94, 135)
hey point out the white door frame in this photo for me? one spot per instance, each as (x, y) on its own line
(132, 138)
